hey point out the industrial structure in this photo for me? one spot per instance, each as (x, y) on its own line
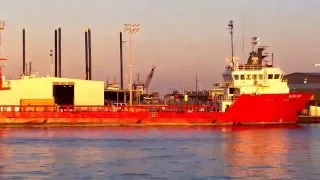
(193, 97)
(30, 89)
(141, 90)
(2, 26)
(304, 82)
(88, 56)
(62, 91)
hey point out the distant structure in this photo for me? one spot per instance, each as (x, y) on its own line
(3, 86)
(304, 81)
(2, 26)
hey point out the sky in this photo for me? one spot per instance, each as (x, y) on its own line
(181, 37)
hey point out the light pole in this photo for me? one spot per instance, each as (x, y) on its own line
(2, 26)
(131, 29)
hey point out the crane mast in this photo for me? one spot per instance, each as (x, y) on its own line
(149, 78)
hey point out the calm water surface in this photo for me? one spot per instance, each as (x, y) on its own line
(161, 153)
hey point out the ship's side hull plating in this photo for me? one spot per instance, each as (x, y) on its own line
(247, 109)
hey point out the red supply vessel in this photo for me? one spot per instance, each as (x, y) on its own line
(254, 93)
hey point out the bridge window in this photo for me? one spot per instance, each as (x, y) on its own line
(242, 76)
(254, 77)
(270, 76)
(276, 76)
(231, 90)
(236, 77)
(248, 76)
(260, 76)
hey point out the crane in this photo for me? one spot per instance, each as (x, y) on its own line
(149, 78)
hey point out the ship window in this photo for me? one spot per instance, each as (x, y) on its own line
(248, 76)
(260, 76)
(270, 76)
(242, 76)
(254, 77)
(236, 77)
(276, 76)
(281, 76)
(231, 90)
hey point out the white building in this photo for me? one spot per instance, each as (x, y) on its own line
(63, 90)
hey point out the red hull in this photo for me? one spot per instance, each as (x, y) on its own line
(269, 107)
(247, 109)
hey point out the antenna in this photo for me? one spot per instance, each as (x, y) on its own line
(242, 43)
(254, 42)
(30, 68)
(230, 27)
(197, 81)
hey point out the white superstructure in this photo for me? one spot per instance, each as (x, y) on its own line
(257, 76)
(254, 79)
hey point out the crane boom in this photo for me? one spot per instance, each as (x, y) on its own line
(149, 78)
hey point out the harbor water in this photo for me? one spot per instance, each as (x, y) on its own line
(272, 152)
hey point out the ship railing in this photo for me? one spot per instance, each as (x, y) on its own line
(225, 98)
(109, 108)
(250, 67)
(224, 84)
(219, 85)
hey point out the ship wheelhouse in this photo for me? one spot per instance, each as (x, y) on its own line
(257, 76)
(254, 77)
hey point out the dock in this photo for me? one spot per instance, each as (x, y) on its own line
(308, 119)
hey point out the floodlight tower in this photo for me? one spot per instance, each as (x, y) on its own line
(131, 29)
(2, 26)
(230, 27)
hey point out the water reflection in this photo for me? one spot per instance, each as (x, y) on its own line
(160, 153)
(259, 152)
(269, 153)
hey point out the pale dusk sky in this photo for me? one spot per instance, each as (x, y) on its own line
(180, 37)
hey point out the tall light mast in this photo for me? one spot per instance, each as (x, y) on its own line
(2, 26)
(2, 87)
(230, 27)
(131, 29)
